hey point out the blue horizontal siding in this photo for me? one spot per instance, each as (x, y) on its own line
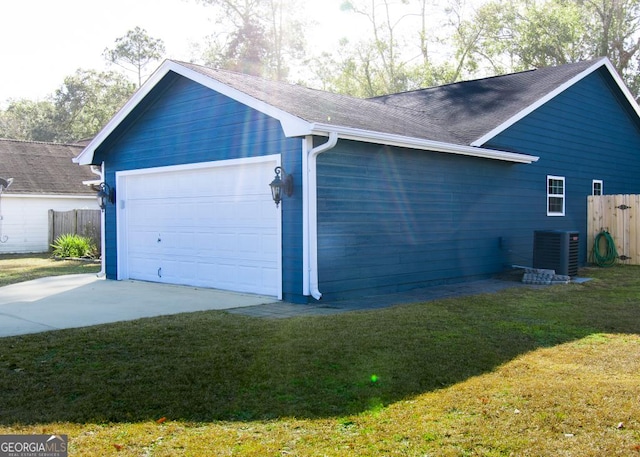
(587, 132)
(182, 122)
(392, 219)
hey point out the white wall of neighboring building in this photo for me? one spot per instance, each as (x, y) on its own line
(24, 219)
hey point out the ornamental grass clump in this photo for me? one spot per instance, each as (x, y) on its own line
(74, 246)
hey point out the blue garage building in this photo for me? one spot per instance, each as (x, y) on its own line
(439, 185)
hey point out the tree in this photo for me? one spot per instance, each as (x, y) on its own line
(87, 101)
(395, 56)
(28, 120)
(513, 35)
(82, 105)
(615, 28)
(535, 34)
(135, 51)
(382, 60)
(353, 71)
(245, 50)
(259, 37)
(471, 37)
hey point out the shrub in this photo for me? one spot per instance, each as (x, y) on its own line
(69, 245)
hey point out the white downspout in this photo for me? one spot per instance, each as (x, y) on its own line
(103, 271)
(310, 219)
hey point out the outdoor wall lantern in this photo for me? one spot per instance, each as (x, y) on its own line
(105, 194)
(281, 185)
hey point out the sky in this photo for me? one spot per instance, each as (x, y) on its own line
(43, 41)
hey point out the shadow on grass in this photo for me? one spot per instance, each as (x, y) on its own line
(216, 366)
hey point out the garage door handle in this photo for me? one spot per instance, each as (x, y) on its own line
(160, 272)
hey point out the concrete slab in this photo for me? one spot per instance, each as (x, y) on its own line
(81, 300)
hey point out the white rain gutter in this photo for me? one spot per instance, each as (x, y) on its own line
(310, 212)
(100, 172)
(389, 139)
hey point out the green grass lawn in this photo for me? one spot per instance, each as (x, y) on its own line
(539, 372)
(24, 267)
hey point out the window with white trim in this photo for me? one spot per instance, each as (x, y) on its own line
(597, 187)
(555, 196)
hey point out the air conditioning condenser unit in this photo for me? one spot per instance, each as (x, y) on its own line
(556, 250)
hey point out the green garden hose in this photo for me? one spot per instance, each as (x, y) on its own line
(609, 257)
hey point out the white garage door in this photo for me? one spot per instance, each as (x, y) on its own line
(212, 226)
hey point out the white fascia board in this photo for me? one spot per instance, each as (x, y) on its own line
(292, 125)
(347, 133)
(51, 196)
(525, 112)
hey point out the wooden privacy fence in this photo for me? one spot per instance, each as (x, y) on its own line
(85, 222)
(620, 216)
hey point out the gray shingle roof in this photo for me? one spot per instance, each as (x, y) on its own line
(456, 113)
(456, 118)
(470, 109)
(43, 168)
(328, 108)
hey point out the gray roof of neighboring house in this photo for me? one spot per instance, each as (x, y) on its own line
(43, 168)
(457, 113)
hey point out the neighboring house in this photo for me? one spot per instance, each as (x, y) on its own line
(440, 185)
(44, 178)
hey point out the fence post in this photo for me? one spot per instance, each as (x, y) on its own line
(52, 217)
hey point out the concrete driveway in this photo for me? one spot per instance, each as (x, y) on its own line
(81, 300)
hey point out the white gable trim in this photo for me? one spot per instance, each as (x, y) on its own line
(292, 125)
(525, 112)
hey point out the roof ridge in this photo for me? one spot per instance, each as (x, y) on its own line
(262, 78)
(422, 89)
(234, 72)
(52, 143)
(487, 78)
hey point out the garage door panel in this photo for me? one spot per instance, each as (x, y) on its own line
(146, 243)
(144, 268)
(270, 244)
(217, 227)
(249, 243)
(177, 272)
(247, 272)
